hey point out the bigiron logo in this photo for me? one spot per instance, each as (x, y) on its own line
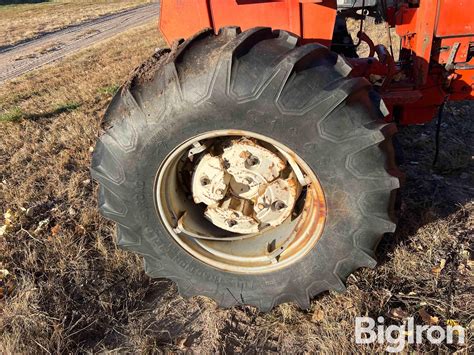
(396, 336)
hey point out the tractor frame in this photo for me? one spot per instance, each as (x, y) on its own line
(436, 60)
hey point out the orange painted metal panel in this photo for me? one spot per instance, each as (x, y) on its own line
(318, 21)
(313, 20)
(455, 18)
(405, 19)
(183, 18)
(425, 24)
(283, 14)
(446, 45)
(416, 27)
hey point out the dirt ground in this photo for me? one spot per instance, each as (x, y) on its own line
(24, 20)
(48, 48)
(69, 289)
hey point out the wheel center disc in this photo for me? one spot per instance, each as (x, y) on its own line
(247, 187)
(240, 201)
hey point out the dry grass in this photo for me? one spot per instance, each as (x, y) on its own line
(379, 33)
(24, 21)
(71, 290)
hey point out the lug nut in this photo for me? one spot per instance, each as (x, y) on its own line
(226, 164)
(248, 180)
(278, 205)
(231, 223)
(252, 161)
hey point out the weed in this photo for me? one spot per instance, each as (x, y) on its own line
(66, 107)
(17, 98)
(16, 113)
(109, 90)
(13, 115)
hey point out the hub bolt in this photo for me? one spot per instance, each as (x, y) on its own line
(231, 223)
(248, 180)
(279, 205)
(205, 181)
(226, 164)
(252, 161)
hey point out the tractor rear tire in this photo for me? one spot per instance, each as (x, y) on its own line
(260, 81)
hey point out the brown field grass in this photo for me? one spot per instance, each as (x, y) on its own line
(71, 290)
(379, 33)
(23, 21)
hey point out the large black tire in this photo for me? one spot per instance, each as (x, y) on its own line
(260, 81)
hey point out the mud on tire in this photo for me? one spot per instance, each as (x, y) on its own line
(264, 82)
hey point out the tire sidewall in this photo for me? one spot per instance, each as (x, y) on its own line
(300, 134)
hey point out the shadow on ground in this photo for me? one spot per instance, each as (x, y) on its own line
(435, 191)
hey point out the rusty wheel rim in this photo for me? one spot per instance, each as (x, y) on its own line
(271, 248)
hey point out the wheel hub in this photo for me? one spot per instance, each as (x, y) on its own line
(245, 187)
(240, 201)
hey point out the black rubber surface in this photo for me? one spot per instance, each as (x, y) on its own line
(259, 81)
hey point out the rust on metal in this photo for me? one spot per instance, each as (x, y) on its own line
(245, 234)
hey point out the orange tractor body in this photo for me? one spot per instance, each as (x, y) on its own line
(436, 61)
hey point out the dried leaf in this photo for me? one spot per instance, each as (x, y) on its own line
(180, 343)
(10, 286)
(8, 215)
(41, 225)
(398, 313)
(452, 322)
(7, 223)
(437, 270)
(3, 230)
(442, 263)
(318, 316)
(427, 318)
(30, 212)
(4, 273)
(55, 230)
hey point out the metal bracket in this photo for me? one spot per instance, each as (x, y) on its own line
(449, 64)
